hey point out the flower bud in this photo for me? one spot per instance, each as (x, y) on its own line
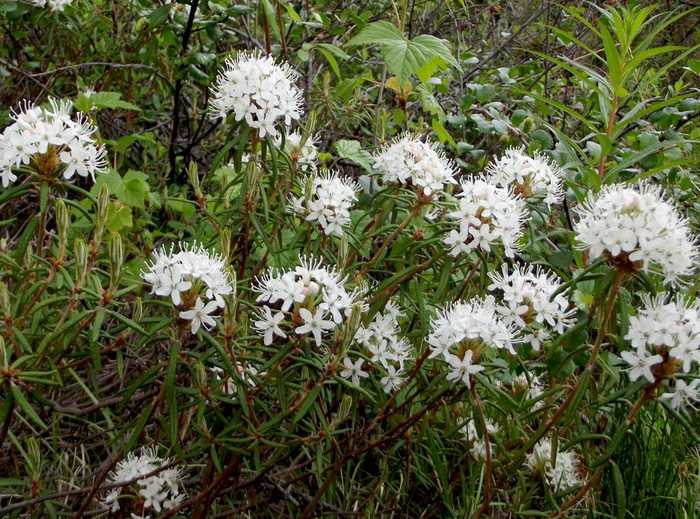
(116, 257)
(193, 175)
(101, 217)
(353, 323)
(137, 311)
(344, 410)
(4, 355)
(5, 300)
(28, 259)
(80, 250)
(343, 251)
(225, 243)
(62, 226)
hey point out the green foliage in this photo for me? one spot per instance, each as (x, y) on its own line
(93, 365)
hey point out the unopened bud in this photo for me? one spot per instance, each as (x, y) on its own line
(137, 311)
(5, 300)
(308, 190)
(101, 217)
(4, 355)
(344, 408)
(225, 243)
(116, 257)
(193, 175)
(343, 250)
(28, 260)
(62, 226)
(81, 260)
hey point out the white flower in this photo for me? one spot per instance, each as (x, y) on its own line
(478, 448)
(51, 132)
(641, 364)
(682, 394)
(245, 371)
(305, 155)
(159, 491)
(470, 432)
(535, 177)
(381, 339)
(663, 326)
(563, 474)
(327, 199)
(257, 90)
(199, 315)
(226, 382)
(54, 5)
(173, 273)
(268, 325)
(315, 323)
(529, 302)
(637, 228)
(411, 162)
(466, 321)
(463, 369)
(392, 380)
(487, 216)
(353, 371)
(310, 292)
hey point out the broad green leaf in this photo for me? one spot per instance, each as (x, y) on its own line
(136, 189)
(100, 100)
(404, 57)
(118, 217)
(352, 151)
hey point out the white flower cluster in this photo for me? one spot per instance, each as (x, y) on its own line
(665, 335)
(561, 475)
(257, 90)
(535, 177)
(54, 5)
(530, 304)
(471, 435)
(49, 137)
(306, 154)
(190, 277)
(470, 326)
(386, 349)
(160, 491)
(310, 299)
(487, 215)
(327, 199)
(638, 229)
(412, 162)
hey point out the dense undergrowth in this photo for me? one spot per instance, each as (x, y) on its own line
(374, 259)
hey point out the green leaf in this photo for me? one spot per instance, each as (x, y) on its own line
(118, 217)
(26, 406)
(332, 62)
(352, 151)
(377, 33)
(404, 57)
(113, 181)
(100, 100)
(136, 189)
(308, 402)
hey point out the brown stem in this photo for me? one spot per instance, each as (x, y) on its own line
(488, 483)
(582, 493)
(390, 239)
